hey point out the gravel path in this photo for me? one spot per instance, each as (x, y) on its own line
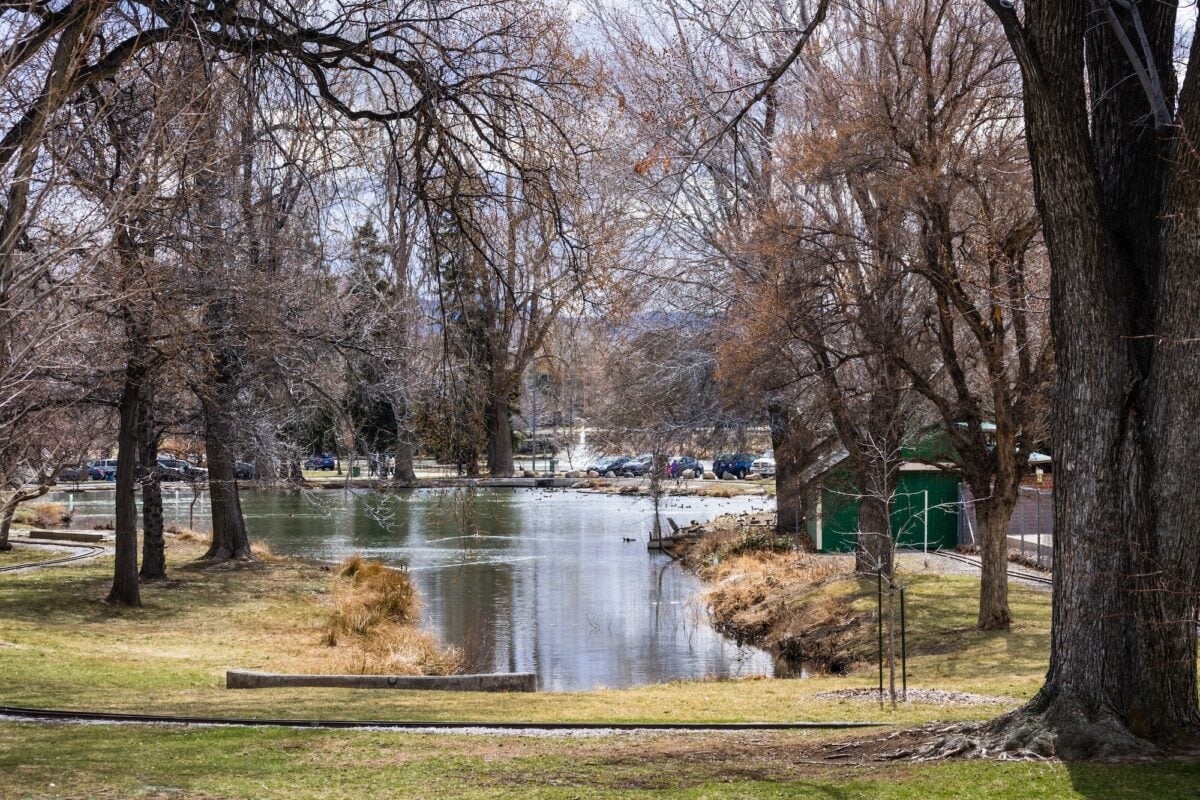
(944, 565)
(937, 697)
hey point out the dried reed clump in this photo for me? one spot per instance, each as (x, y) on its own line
(720, 490)
(731, 538)
(263, 552)
(42, 515)
(189, 535)
(793, 605)
(375, 611)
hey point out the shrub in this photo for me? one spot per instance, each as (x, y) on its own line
(375, 611)
(189, 535)
(42, 515)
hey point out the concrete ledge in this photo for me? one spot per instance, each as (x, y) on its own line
(494, 682)
(67, 536)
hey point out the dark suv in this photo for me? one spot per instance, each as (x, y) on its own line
(737, 464)
(323, 461)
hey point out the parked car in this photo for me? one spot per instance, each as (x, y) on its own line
(737, 464)
(765, 465)
(176, 469)
(324, 461)
(74, 474)
(637, 467)
(103, 470)
(244, 470)
(608, 464)
(682, 464)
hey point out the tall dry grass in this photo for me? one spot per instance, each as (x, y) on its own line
(799, 606)
(42, 515)
(374, 624)
(260, 550)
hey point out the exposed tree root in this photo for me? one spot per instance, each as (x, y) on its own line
(1042, 729)
(221, 554)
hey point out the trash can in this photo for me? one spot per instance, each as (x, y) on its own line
(553, 465)
(355, 472)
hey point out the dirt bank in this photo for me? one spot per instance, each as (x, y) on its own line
(762, 591)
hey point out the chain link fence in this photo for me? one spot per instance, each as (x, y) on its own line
(1030, 530)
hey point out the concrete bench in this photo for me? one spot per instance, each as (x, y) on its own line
(494, 682)
(67, 536)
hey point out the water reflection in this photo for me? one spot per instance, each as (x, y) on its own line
(523, 580)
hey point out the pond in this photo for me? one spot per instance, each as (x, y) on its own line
(523, 580)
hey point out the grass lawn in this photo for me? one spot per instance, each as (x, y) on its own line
(60, 647)
(28, 555)
(187, 764)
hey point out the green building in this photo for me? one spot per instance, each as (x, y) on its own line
(925, 507)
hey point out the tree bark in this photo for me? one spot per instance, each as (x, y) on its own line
(154, 559)
(6, 519)
(998, 489)
(874, 550)
(404, 471)
(993, 515)
(1124, 300)
(499, 432)
(229, 537)
(9, 511)
(125, 589)
(795, 451)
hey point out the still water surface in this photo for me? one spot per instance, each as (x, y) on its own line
(523, 580)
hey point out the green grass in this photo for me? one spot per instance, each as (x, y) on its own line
(187, 764)
(60, 647)
(28, 555)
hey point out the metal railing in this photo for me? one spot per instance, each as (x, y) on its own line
(1030, 529)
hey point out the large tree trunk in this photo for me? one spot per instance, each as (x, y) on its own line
(993, 514)
(874, 550)
(499, 432)
(787, 443)
(998, 490)
(125, 567)
(796, 449)
(154, 559)
(6, 518)
(1124, 301)
(404, 472)
(229, 537)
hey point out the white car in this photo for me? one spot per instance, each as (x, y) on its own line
(764, 465)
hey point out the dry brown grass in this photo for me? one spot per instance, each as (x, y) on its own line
(733, 535)
(373, 623)
(42, 515)
(263, 552)
(189, 535)
(722, 490)
(797, 605)
(260, 550)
